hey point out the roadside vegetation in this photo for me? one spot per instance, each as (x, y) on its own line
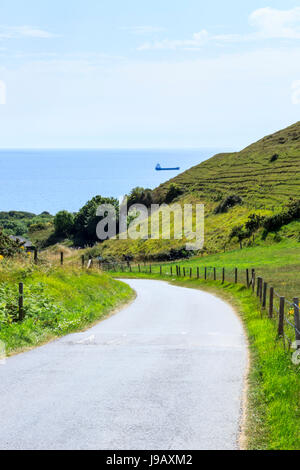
(57, 301)
(278, 264)
(273, 385)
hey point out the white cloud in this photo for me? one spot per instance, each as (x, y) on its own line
(145, 29)
(197, 41)
(268, 22)
(273, 23)
(12, 32)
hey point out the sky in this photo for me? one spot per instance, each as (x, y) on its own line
(147, 74)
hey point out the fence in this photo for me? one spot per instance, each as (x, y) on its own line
(276, 307)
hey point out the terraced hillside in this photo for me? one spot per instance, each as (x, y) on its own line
(266, 173)
(258, 181)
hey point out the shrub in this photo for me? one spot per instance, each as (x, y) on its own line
(38, 226)
(228, 203)
(38, 305)
(8, 247)
(140, 195)
(173, 192)
(274, 158)
(63, 223)
(288, 214)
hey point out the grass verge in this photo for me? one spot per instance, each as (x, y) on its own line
(56, 302)
(273, 404)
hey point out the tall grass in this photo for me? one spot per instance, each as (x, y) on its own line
(57, 301)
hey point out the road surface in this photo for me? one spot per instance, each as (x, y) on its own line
(164, 373)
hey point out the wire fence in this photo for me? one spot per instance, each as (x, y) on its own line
(285, 312)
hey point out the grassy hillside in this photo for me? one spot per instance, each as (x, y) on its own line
(57, 301)
(265, 174)
(259, 180)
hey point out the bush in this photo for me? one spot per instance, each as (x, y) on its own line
(140, 195)
(228, 203)
(38, 226)
(38, 305)
(14, 227)
(290, 213)
(63, 223)
(173, 192)
(274, 158)
(8, 247)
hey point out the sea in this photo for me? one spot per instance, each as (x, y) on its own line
(53, 180)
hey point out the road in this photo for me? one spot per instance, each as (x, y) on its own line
(165, 373)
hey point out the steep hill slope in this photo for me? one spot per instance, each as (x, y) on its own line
(259, 180)
(264, 174)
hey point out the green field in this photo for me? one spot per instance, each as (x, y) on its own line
(278, 264)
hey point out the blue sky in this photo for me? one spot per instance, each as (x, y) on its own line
(177, 73)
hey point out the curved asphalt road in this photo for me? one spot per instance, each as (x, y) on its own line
(164, 373)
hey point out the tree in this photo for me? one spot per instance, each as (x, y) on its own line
(63, 223)
(140, 195)
(86, 220)
(173, 192)
(253, 223)
(238, 232)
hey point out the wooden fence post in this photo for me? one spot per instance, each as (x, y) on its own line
(82, 261)
(183, 272)
(62, 258)
(264, 299)
(261, 289)
(258, 287)
(281, 317)
(150, 268)
(215, 274)
(198, 273)
(247, 278)
(253, 280)
(271, 302)
(191, 273)
(171, 270)
(21, 304)
(139, 268)
(205, 273)
(35, 255)
(160, 270)
(223, 275)
(235, 275)
(297, 320)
